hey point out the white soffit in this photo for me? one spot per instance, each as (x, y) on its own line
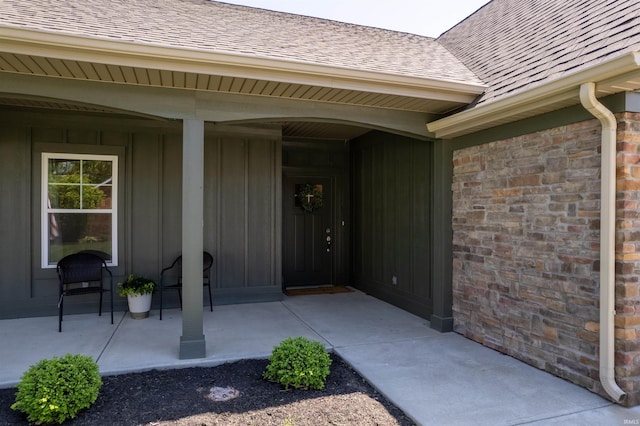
(64, 56)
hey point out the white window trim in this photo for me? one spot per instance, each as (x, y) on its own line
(46, 156)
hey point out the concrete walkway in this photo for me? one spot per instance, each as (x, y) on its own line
(436, 379)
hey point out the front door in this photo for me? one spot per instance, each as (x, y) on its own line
(308, 233)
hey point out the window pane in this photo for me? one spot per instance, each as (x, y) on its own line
(64, 196)
(72, 232)
(93, 197)
(96, 172)
(64, 171)
(79, 185)
(105, 202)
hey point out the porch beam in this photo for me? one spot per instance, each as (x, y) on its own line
(176, 104)
(192, 341)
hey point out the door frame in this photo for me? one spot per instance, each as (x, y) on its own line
(311, 175)
(330, 159)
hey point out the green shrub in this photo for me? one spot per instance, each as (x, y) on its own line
(136, 286)
(299, 362)
(55, 390)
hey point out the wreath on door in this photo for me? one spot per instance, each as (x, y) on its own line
(310, 197)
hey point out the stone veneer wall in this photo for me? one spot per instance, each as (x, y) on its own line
(526, 220)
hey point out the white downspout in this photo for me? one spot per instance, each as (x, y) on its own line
(607, 239)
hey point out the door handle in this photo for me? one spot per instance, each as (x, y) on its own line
(328, 239)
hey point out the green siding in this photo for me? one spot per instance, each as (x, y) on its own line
(145, 212)
(15, 157)
(241, 194)
(392, 226)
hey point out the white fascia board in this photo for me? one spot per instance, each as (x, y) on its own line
(45, 44)
(512, 107)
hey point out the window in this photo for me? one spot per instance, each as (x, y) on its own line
(79, 205)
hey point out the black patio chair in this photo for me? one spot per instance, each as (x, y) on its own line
(82, 273)
(171, 278)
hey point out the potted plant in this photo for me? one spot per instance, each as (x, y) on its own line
(138, 291)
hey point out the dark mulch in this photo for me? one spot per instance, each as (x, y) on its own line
(180, 397)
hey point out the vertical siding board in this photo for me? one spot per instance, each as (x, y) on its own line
(260, 223)
(171, 185)
(219, 214)
(15, 181)
(420, 253)
(211, 199)
(247, 213)
(276, 234)
(145, 203)
(387, 253)
(232, 257)
(378, 207)
(404, 210)
(365, 217)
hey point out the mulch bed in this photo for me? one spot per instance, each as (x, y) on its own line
(182, 397)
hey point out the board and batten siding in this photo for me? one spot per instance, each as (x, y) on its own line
(242, 218)
(391, 214)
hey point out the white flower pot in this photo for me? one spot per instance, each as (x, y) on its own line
(139, 305)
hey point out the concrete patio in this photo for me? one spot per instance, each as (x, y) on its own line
(442, 379)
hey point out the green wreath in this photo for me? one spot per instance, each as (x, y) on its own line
(310, 197)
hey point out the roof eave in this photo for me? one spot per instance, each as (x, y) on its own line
(619, 74)
(62, 46)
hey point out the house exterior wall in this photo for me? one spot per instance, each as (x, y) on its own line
(526, 250)
(241, 197)
(392, 181)
(627, 320)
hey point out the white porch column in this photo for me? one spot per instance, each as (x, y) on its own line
(192, 341)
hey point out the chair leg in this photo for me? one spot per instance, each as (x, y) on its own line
(100, 308)
(180, 297)
(111, 296)
(60, 306)
(210, 302)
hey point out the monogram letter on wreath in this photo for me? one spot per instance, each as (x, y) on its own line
(309, 197)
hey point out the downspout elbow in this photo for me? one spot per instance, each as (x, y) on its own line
(607, 240)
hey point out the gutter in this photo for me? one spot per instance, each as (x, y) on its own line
(619, 74)
(607, 239)
(231, 64)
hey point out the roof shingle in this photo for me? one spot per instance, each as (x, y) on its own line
(514, 45)
(210, 26)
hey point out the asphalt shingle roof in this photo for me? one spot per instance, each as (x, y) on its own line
(210, 26)
(519, 44)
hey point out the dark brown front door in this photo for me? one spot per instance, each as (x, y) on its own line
(308, 233)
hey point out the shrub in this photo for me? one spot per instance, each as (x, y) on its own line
(136, 286)
(55, 390)
(299, 362)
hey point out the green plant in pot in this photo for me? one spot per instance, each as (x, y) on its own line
(138, 290)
